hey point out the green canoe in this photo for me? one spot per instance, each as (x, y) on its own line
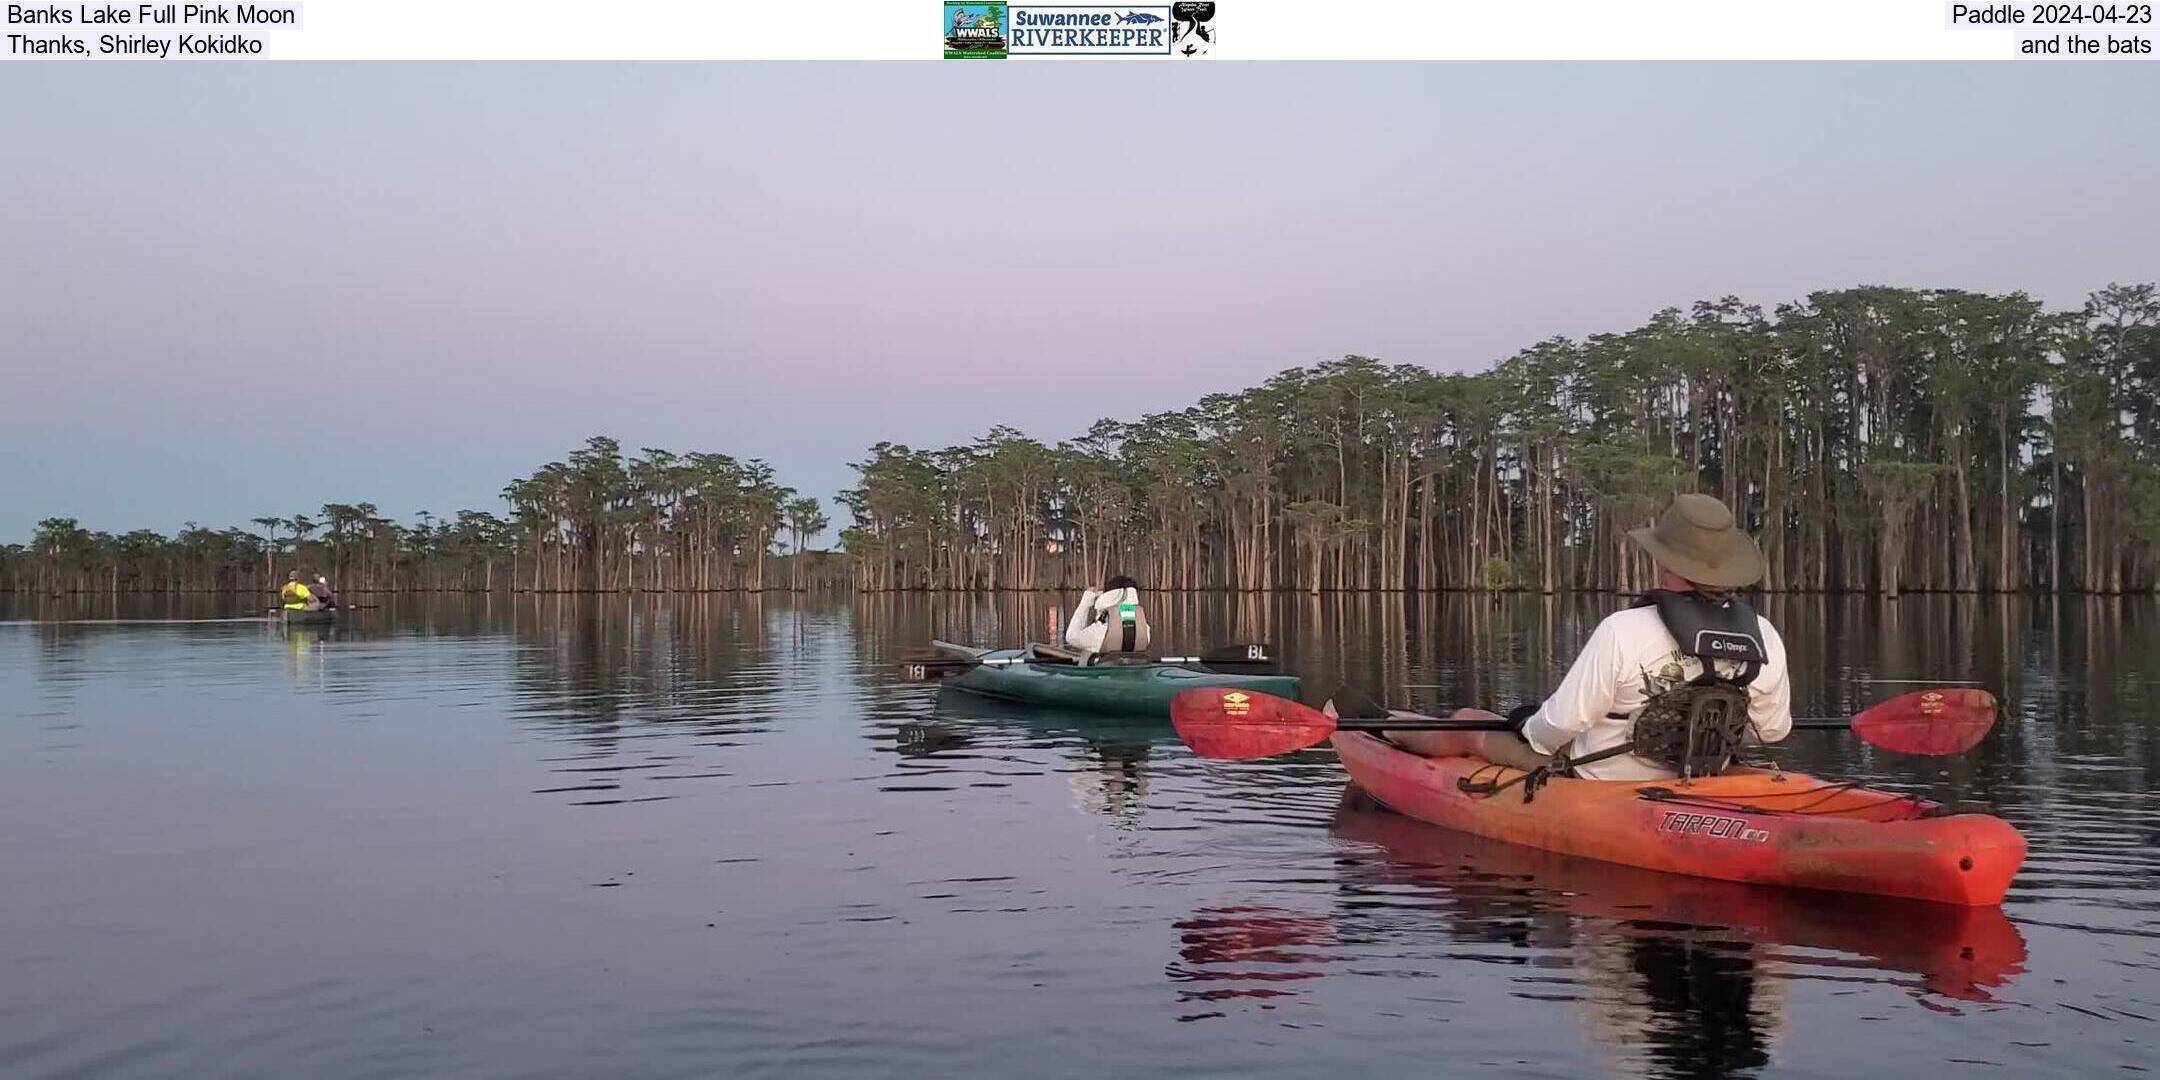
(1136, 687)
(302, 617)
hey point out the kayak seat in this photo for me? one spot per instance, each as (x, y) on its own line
(1054, 654)
(1353, 703)
(1132, 659)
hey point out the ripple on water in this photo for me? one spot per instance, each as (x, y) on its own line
(555, 837)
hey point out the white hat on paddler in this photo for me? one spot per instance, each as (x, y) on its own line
(1697, 538)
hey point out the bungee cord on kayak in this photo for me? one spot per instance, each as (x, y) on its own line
(1908, 807)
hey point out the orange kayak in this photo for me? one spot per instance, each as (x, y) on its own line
(1747, 825)
(1479, 885)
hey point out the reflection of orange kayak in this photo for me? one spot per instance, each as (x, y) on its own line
(1747, 825)
(1239, 945)
(1958, 952)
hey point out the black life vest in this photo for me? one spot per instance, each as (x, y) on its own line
(1697, 728)
(1712, 630)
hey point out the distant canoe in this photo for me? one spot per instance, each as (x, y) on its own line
(301, 617)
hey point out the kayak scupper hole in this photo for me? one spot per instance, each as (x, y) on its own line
(1965, 862)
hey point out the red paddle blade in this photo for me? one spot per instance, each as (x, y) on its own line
(1220, 722)
(1932, 722)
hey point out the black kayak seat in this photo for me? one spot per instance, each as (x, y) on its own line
(1352, 703)
(1039, 652)
(1123, 659)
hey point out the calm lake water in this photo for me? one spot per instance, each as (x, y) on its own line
(559, 837)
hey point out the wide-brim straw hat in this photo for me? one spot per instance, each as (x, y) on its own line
(1697, 539)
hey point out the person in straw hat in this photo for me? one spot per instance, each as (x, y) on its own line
(1688, 636)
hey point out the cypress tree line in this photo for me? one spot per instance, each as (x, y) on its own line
(1874, 439)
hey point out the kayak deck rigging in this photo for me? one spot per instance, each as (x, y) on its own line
(1832, 802)
(1844, 799)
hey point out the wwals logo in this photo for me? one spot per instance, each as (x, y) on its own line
(974, 31)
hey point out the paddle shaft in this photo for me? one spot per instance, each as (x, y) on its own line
(1857, 682)
(1240, 725)
(1373, 723)
(1005, 661)
(930, 668)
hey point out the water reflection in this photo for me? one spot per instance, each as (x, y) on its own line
(1686, 975)
(1674, 976)
(650, 694)
(235, 849)
(1250, 952)
(1932, 950)
(1108, 756)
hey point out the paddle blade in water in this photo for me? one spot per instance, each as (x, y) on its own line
(1221, 722)
(1949, 720)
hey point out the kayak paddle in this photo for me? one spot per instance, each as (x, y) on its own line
(1221, 722)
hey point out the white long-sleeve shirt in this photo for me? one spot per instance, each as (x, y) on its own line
(1097, 613)
(1629, 659)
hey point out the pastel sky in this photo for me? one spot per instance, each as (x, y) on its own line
(234, 290)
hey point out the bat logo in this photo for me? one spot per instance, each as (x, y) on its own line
(1192, 31)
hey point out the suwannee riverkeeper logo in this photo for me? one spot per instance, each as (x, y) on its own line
(981, 30)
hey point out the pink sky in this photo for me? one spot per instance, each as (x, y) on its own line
(237, 291)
